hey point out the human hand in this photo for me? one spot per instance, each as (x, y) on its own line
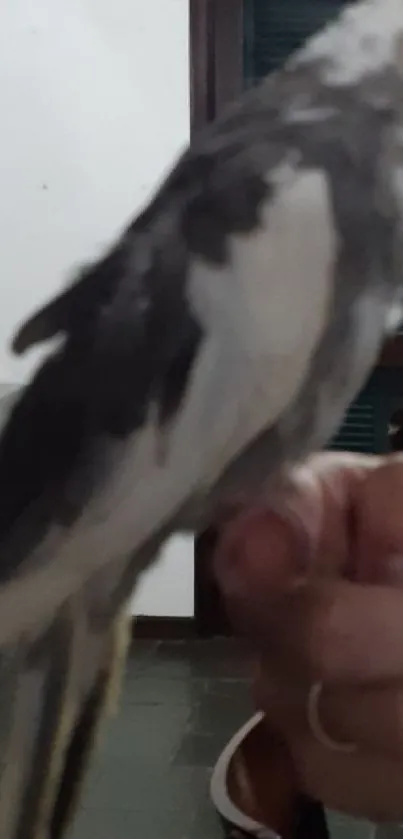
(316, 586)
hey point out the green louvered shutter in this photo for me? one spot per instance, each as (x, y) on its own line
(365, 426)
(358, 431)
(275, 28)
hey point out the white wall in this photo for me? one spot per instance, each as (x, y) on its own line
(94, 105)
(167, 588)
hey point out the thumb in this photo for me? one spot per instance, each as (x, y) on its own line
(261, 550)
(300, 529)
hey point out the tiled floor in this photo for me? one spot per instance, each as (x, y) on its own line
(181, 702)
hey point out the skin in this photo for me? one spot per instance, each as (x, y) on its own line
(316, 586)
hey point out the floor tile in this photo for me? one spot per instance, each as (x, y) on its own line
(206, 825)
(389, 831)
(162, 691)
(122, 824)
(199, 749)
(118, 786)
(200, 659)
(343, 827)
(141, 653)
(222, 712)
(146, 734)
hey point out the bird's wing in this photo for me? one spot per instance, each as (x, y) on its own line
(174, 357)
(157, 384)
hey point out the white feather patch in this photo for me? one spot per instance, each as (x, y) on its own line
(271, 302)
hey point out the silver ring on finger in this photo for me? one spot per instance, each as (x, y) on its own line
(315, 724)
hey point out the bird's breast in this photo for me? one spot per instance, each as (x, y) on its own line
(269, 303)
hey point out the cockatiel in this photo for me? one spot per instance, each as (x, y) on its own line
(217, 343)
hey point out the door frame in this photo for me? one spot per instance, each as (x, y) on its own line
(216, 57)
(216, 78)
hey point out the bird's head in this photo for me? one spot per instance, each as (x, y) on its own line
(365, 41)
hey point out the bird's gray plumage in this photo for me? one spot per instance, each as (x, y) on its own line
(218, 342)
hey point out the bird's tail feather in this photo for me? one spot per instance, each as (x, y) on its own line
(58, 689)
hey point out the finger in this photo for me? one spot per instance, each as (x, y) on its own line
(370, 718)
(283, 537)
(317, 629)
(306, 521)
(363, 784)
(338, 514)
(335, 632)
(378, 521)
(322, 629)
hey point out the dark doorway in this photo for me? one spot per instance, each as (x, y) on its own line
(210, 614)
